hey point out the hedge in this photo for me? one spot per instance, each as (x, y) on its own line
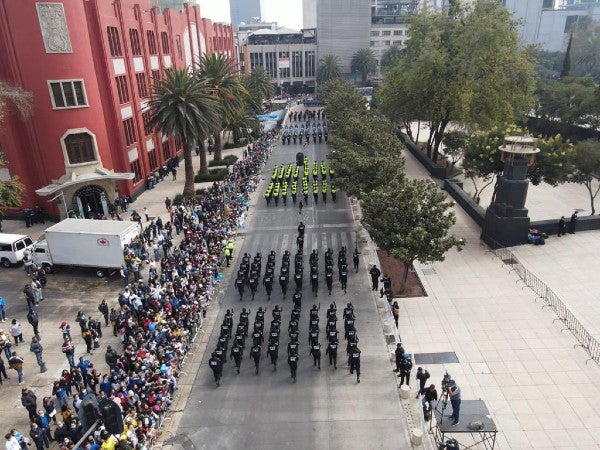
(213, 175)
(231, 159)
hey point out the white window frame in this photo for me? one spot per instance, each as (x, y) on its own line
(87, 105)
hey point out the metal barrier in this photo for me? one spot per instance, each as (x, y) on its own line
(554, 302)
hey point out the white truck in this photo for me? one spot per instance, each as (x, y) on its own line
(96, 244)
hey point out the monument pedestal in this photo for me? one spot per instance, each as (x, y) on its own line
(501, 231)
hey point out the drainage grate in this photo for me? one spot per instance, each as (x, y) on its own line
(436, 358)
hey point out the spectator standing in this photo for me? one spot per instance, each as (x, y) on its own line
(103, 308)
(37, 436)
(33, 319)
(16, 362)
(422, 376)
(375, 273)
(396, 312)
(3, 371)
(68, 348)
(29, 401)
(36, 288)
(16, 331)
(11, 442)
(562, 228)
(573, 223)
(2, 309)
(37, 349)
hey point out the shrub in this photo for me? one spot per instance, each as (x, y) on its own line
(178, 199)
(213, 175)
(231, 159)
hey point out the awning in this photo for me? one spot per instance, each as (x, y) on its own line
(74, 179)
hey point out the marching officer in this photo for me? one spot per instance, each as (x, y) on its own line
(315, 351)
(355, 259)
(301, 229)
(344, 276)
(283, 282)
(220, 353)
(277, 313)
(273, 352)
(297, 298)
(355, 362)
(255, 353)
(239, 284)
(216, 364)
(257, 336)
(332, 312)
(298, 280)
(332, 352)
(237, 355)
(253, 285)
(293, 363)
(329, 279)
(314, 279)
(268, 283)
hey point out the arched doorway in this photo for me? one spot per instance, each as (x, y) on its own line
(90, 202)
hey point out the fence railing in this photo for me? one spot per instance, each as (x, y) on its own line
(551, 300)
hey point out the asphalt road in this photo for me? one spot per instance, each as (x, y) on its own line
(325, 409)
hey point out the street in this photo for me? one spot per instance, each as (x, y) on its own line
(325, 408)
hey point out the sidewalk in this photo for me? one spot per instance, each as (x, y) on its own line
(538, 388)
(64, 296)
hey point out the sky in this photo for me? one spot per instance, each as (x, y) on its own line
(287, 13)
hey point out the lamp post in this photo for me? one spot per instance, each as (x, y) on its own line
(506, 220)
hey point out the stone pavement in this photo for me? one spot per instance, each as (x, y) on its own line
(538, 388)
(65, 294)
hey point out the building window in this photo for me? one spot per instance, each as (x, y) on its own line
(67, 94)
(122, 89)
(142, 85)
(134, 167)
(297, 64)
(114, 42)
(151, 42)
(386, 43)
(80, 148)
(134, 37)
(309, 63)
(386, 33)
(129, 129)
(256, 60)
(374, 33)
(397, 32)
(271, 63)
(155, 76)
(284, 72)
(178, 43)
(166, 150)
(152, 159)
(164, 37)
(146, 118)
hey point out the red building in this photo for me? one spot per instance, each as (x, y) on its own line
(89, 65)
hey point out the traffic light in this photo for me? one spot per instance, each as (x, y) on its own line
(111, 416)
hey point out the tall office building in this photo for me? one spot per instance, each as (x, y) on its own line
(243, 11)
(343, 27)
(309, 13)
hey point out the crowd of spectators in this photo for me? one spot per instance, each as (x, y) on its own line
(157, 317)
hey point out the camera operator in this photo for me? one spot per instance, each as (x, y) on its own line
(430, 395)
(454, 394)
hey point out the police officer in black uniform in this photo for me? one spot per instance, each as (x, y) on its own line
(375, 273)
(268, 283)
(355, 362)
(301, 229)
(283, 282)
(273, 352)
(355, 259)
(253, 282)
(298, 275)
(332, 347)
(237, 353)
(344, 276)
(255, 353)
(216, 364)
(315, 351)
(293, 363)
(297, 298)
(239, 285)
(314, 279)
(329, 278)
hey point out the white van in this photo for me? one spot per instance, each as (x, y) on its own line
(12, 248)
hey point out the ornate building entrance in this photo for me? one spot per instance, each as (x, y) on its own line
(90, 202)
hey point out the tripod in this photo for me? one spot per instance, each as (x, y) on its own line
(440, 406)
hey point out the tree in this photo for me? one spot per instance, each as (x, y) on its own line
(261, 84)
(391, 55)
(219, 74)
(411, 220)
(363, 63)
(585, 50)
(566, 67)
(454, 143)
(568, 100)
(183, 105)
(466, 66)
(329, 68)
(586, 164)
(13, 97)
(482, 163)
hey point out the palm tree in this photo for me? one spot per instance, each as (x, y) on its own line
(363, 62)
(17, 97)
(226, 87)
(183, 105)
(261, 83)
(329, 68)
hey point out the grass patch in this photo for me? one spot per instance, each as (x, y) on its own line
(231, 159)
(213, 175)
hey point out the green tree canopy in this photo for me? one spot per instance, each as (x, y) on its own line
(411, 220)
(585, 161)
(391, 55)
(465, 66)
(260, 84)
(363, 63)
(329, 68)
(183, 105)
(570, 100)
